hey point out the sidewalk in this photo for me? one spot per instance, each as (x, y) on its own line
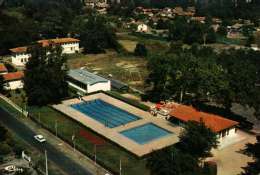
(66, 149)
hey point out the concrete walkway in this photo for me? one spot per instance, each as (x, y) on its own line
(230, 159)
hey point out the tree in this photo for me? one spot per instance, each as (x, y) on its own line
(5, 149)
(45, 74)
(241, 73)
(197, 140)
(171, 161)
(257, 39)
(140, 50)
(182, 73)
(253, 150)
(191, 31)
(1, 83)
(96, 35)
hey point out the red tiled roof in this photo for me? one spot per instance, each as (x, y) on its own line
(2, 68)
(19, 50)
(212, 121)
(45, 43)
(57, 41)
(13, 76)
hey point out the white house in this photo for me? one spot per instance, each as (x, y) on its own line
(86, 82)
(142, 28)
(3, 69)
(20, 55)
(13, 80)
(69, 45)
(224, 128)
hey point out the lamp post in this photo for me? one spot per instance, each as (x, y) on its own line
(56, 128)
(46, 164)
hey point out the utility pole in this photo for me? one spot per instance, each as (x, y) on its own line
(73, 140)
(120, 167)
(95, 152)
(56, 128)
(46, 163)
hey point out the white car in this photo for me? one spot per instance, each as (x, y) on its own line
(40, 138)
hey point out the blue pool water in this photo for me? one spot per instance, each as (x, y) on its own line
(107, 114)
(145, 133)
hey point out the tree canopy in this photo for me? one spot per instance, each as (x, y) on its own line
(197, 140)
(96, 35)
(199, 74)
(45, 74)
(253, 150)
(191, 31)
(184, 158)
(171, 161)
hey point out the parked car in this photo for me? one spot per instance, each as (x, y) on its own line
(40, 138)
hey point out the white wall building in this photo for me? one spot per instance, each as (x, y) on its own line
(142, 28)
(13, 80)
(86, 82)
(20, 55)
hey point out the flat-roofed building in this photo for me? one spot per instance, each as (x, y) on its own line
(86, 82)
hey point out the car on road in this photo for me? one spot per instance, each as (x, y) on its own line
(40, 138)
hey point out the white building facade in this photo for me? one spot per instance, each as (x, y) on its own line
(142, 28)
(13, 81)
(20, 55)
(86, 82)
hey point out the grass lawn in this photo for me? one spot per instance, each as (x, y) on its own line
(108, 155)
(127, 68)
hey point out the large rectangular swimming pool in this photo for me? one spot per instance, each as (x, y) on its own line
(107, 114)
(145, 133)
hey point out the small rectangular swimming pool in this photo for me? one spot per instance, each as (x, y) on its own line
(145, 133)
(107, 114)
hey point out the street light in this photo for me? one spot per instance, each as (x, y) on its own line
(56, 128)
(46, 164)
(95, 152)
(73, 140)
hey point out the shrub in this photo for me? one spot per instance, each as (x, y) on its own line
(140, 50)
(129, 101)
(5, 149)
(210, 168)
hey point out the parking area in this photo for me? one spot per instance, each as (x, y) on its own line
(229, 157)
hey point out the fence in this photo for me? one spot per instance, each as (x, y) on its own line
(18, 108)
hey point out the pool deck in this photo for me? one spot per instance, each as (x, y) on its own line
(113, 134)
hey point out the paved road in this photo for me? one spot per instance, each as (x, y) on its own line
(65, 163)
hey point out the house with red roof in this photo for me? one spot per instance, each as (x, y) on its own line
(180, 114)
(3, 69)
(13, 80)
(20, 55)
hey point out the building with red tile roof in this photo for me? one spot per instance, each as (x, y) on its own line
(214, 122)
(13, 80)
(3, 69)
(20, 55)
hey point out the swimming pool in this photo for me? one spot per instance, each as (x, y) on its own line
(107, 114)
(145, 133)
